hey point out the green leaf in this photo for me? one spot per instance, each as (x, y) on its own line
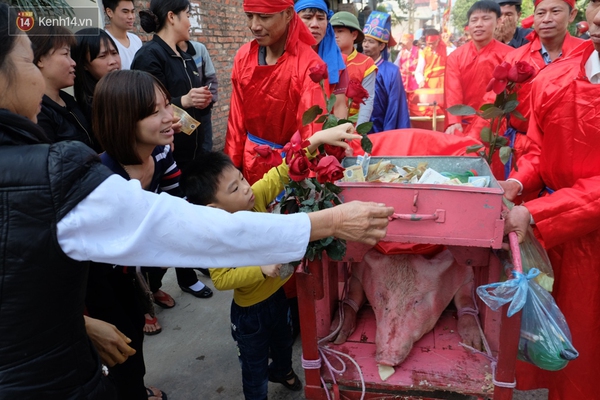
(308, 202)
(486, 135)
(499, 100)
(485, 106)
(501, 141)
(331, 103)
(518, 115)
(310, 115)
(353, 118)
(332, 121)
(366, 144)
(510, 106)
(343, 121)
(512, 96)
(327, 241)
(461, 109)
(505, 153)
(337, 250)
(321, 119)
(492, 112)
(364, 128)
(333, 188)
(474, 148)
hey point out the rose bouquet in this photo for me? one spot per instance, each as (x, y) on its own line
(505, 82)
(354, 93)
(311, 186)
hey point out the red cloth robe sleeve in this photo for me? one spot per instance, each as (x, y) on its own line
(567, 121)
(469, 71)
(236, 130)
(569, 160)
(453, 90)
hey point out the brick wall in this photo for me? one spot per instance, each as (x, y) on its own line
(221, 27)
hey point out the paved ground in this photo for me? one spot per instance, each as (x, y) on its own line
(194, 357)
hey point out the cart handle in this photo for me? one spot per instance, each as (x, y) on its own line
(438, 216)
(516, 252)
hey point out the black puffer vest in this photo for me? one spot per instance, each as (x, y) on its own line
(44, 350)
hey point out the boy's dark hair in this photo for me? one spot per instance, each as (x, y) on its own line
(112, 4)
(200, 179)
(485, 6)
(121, 100)
(89, 42)
(44, 39)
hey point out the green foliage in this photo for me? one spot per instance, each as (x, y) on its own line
(461, 110)
(310, 114)
(44, 7)
(458, 14)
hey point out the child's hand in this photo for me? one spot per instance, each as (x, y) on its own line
(335, 136)
(271, 270)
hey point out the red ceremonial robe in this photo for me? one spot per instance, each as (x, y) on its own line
(268, 101)
(468, 73)
(435, 66)
(565, 156)
(529, 53)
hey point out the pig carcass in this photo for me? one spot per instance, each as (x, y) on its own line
(408, 294)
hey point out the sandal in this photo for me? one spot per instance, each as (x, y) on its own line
(296, 386)
(161, 298)
(150, 390)
(152, 321)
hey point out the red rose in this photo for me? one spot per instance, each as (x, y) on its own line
(294, 146)
(356, 92)
(501, 71)
(318, 73)
(521, 72)
(270, 156)
(299, 167)
(336, 151)
(329, 169)
(497, 85)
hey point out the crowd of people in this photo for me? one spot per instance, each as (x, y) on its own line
(93, 185)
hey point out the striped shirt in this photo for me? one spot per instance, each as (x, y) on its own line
(166, 173)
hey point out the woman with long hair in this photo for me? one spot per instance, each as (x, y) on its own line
(170, 23)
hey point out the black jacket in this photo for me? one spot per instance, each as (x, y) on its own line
(66, 123)
(519, 38)
(45, 352)
(179, 74)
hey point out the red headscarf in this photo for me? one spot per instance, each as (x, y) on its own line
(267, 6)
(569, 2)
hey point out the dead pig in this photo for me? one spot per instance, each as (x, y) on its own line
(408, 294)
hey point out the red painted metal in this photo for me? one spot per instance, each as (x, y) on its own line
(437, 367)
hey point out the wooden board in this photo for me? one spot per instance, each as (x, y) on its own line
(436, 363)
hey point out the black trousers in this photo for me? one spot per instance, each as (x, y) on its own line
(186, 277)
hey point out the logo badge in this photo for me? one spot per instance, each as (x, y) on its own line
(25, 20)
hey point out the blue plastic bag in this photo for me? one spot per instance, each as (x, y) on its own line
(545, 339)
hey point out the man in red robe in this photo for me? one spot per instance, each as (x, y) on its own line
(469, 68)
(548, 42)
(271, 87)
(431, 65)
(565, 158)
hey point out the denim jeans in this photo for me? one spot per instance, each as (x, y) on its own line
(257, 329)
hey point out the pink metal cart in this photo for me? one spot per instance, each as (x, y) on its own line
(468, 221)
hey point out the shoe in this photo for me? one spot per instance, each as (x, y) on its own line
(204, 271)
(150, 390)
(203, 293)
(161, 298)
(296, 386)
(152, 321)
